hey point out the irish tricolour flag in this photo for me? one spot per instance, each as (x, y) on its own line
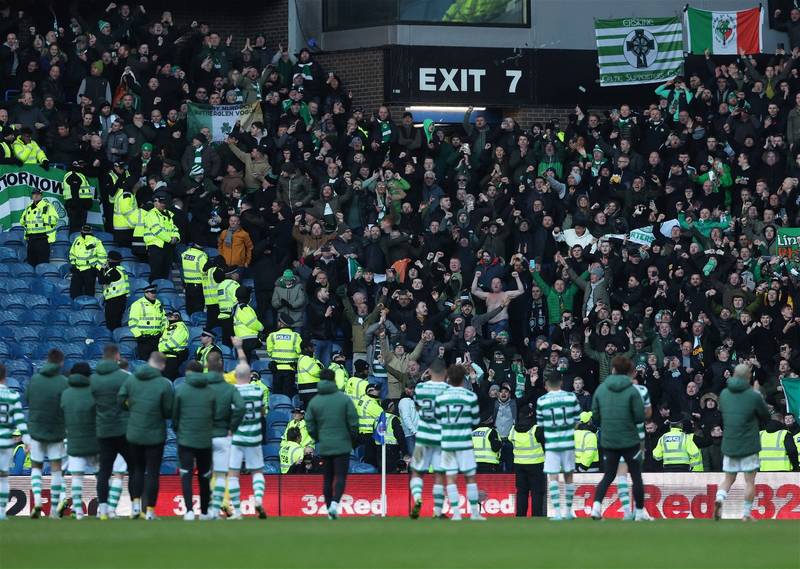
(724, 32)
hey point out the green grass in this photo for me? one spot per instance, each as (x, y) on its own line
(398, 543)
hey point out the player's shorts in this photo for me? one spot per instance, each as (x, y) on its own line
(556, 461)
(6, 459)
(459, 461)
(51, 451)
(425, 458)
(82, 464)
(221, 452)
(733, 464)
(120, 466)
(253, 458)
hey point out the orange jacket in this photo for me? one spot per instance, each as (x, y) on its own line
(240, 251)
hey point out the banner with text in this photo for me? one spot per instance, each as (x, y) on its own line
(220, 119)
(667, 495)
(17, 182)
(788, 242)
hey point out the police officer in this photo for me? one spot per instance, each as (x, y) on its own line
(338, 361)
(138, 247)
(78, 195)
(125, 212)
(7, 155)
(116, 288)
(486, 444)
(213, 274)
(39, 221)
(192, 262)
(677, 450)
(207, 346)
(283, 347)
(308, 369)
(394, 438)
(356, 384)
(116, 178)
(28, 151)
(527, 440)
(587, 457)
(246, 325)
(369, 409)
(298, 421)
(147, 322)
(291, 452)
(87, 255)
(778, 450)
(160, 237)
(226, 298)
(174, 343)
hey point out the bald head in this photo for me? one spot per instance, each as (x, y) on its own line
(242, 373)
(743, 371)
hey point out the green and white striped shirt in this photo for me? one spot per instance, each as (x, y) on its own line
(557, 413)
(12, 417)
(248, 434)
(456, 411)
(645, 395)
(429, 433)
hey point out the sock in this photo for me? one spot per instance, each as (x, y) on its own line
(233, 488)
(136, 506)
(570, 493)
(36, 485)
(56, 488)
(258, 487)
(622, 489)
(416, 486)
(219, 491)
(438, 499)
(472, 497)
(102, 509)
(597, 508)
(334, 507)
(555, 498)
(721, 495)
(77, 492)
(452, 495)
(747, 509)
(639, 513)
(4, 491)
(114, 492)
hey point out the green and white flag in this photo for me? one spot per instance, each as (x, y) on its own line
(220, 119)
(791, 389)
(638, 50)
(16, 184)
(352, 268)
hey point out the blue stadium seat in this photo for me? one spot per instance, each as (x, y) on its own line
(103, 236)
(28, 333)
(21, 270)
(271, 451)
(27, 349)
(60, 300)
(73, 351)
(5, 351)
(198, 319)
(272, 466)
(127, 348)
(120, 333)
(13, 237)
(33, 301)
(94, 351)
(14, 317)
(169, 467)
(362, 468)
(22, 285)
(277, 401)
(59, 252)
(85, 317)
(279, 416)
(194, 333)
(171, 300)
(5, 271)
(137, 287)
(9, 254)
(7, 332)
(84, 302)
(48, 270)
(77, 333)
(138, 270)
(165, 285)
(19, 369)
(55, 334)
(227, 351)
(101, 334)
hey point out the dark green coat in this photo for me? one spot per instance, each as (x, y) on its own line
(332, 420)
(193, 411)
(105, 383)
(80, 417)
(743, 411)
(229, 408)
(148, 397)
(45, 419)
(617, 408)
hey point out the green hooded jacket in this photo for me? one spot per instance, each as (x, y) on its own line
(743, 411)
(193, 411)
(148, 397)
(45, 419)
(80, 417)
(616, 409)
(229, 406)
(105, 382)
(332, 420)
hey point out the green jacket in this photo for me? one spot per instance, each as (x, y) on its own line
(105, 382)
(603, 359)
(557, 303)
(148, 397)
(743, 410)
(78, 406)
(45, 419)
(617, 408)
(229, 406)
(332, 420)
(193, 412)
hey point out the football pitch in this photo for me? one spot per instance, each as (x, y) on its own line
(376, 543)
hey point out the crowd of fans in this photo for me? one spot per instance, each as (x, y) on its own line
(485, 244)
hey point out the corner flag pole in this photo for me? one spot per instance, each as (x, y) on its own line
(383, 480)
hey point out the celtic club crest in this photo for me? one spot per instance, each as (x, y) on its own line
(724, 27)
(640, 48)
